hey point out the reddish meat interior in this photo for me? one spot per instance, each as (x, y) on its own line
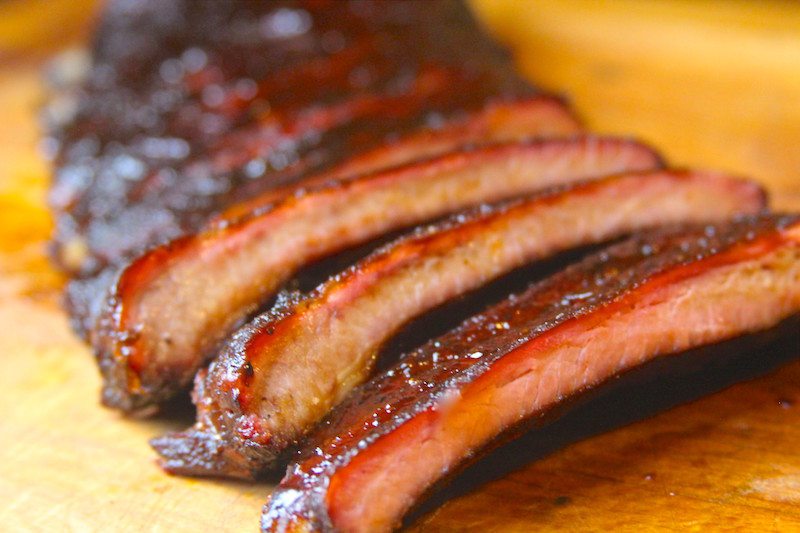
(746, 289)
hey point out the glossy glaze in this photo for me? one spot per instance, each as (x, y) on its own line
(190, 106)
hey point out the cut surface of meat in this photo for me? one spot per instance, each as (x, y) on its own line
(540, 117)
(443, 403)
(172, 306)
(288, 368)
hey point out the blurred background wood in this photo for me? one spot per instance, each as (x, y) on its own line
(31, 28)
(713, 84)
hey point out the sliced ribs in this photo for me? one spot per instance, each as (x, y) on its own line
(289, 367)
(394, 437)
(170, 308)
(535, 117)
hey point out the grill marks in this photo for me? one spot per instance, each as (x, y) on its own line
(172, 306)
(651, 296)
(284, 373)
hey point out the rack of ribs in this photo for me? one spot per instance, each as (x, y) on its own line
(214, 152)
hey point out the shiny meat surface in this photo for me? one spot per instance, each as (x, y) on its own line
(170, 308)
(536, 117)
(191, 105)
(539, 117)
(213, 149)
(655, 295)
(284, 372)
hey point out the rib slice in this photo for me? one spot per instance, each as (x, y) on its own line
(287, 369)
(394, 437)
(171, 307)
(541, 116)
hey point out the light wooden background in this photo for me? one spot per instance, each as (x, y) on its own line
(714, 84)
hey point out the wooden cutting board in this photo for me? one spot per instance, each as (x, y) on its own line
(713, 84)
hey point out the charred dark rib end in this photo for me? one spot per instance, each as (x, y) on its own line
(130, 405)
(122, 390)
(199, 453)
(293, 511)
(116, 392)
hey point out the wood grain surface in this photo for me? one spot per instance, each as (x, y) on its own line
(713, 85)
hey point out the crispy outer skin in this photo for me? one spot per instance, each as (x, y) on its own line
(412, 388)
(134, 376)
(234, 436)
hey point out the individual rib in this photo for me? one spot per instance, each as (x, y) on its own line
(354, 113)
(171, 307)
(445, 402)
(541, 116)
(287, 369)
